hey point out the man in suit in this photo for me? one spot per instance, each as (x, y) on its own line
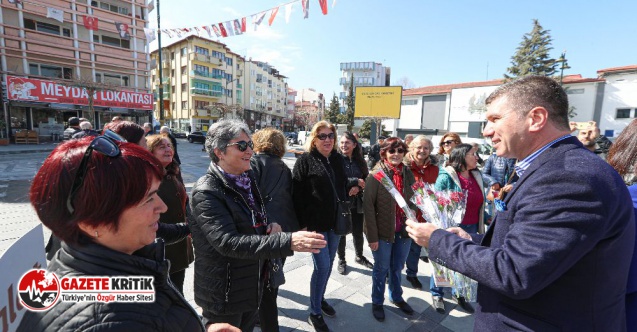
(557, 255)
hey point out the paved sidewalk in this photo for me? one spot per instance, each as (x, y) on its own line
(349, 294)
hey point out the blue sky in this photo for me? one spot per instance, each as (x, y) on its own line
(429, 42)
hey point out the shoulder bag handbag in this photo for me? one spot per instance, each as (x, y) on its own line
(343, 225)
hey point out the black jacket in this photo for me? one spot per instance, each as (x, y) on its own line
(169, 312)
(275, 183)
(314, 199)
(172, 192)
(229, 254)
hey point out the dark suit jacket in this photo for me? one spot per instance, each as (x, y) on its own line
(557, 259)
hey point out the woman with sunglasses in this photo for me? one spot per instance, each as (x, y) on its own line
(461, 174)
(318, 183)
(356, 171)
(447, 143)
(173, 193)
(232, 234)
(99, 196)
(385, 226)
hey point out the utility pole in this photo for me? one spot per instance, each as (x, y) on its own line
(160, 68)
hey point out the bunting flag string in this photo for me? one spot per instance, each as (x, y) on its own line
(239, 26)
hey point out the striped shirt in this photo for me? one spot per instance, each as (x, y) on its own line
(524, 164)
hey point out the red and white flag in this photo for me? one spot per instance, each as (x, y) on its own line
(216, 30)
(229, 28)
(90, 22)
(323, 4)
(168, 32)
(207, 28)
(243, 25)
(306, 8)
(224, 32)
(273, 15)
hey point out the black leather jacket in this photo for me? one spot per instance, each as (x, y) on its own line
(169, 312)
(275, 182)
(229, 254)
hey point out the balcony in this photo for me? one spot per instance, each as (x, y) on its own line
(205, 59)
(166, 95)
(342, 95)
(358, 81)
(358, 66)
(206, 92)
(205, 74)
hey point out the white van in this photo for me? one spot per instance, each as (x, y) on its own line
(302, 137)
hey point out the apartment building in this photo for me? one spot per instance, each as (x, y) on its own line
(289, 124)
(60, 56)
(364, 74)
(198, 74)
(266, 96)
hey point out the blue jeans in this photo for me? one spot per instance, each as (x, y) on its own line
(389, 257)
(439, 291)
(412, 259)
(323, 262)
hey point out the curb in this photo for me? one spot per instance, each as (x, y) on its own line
(24, 151)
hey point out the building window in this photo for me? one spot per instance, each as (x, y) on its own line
(172, 55)
(46, 27)
(183, 70)
(623, 113)
(199, 69)
(409, 102)
(184, 105)
(218, 55)
(111, 41)
(229, 61)
(184, 87)
(200, 105)
(184, 51)
(201, 50)
(113, 79)
(109, 7)
(50, 71)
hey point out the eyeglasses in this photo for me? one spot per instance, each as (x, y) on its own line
(399, 150)
(448, 142)
(106, 145)
(242, 145)
(323, 137)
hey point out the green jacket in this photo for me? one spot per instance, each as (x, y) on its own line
(380, 206)
(448, 180)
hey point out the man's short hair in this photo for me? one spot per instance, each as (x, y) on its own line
(532, 91)
(74, 121)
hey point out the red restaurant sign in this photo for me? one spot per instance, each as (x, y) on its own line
(30, 89)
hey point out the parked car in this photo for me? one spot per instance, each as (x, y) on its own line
(197, 136)
(302, 137)
(178, 134)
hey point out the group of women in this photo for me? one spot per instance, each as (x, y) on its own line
(245, 215)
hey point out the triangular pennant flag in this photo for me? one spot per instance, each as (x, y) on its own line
(56, 14)
(273, 15)
(216, 30)
(122, 28)
(224, 32)
(150, 34)
(257, 19)
(288, 12)
(185, 30)
(333, 3)
(198, 31)
(207, 28)
(237, 27)
(323, 4)
(229, 28)
(166, 31)
(177, 32)
(90, 22)
(306, 8)
(243, 25)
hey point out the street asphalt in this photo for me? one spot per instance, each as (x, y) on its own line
(349, 294)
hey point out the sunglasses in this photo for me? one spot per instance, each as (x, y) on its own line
(323, 137)
(106, 145)
(448, 142)
(242, 145)
(399, 150)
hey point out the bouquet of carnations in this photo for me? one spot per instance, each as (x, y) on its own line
(445, 209)
(389, 185)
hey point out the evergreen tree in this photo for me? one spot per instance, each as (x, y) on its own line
(532, 56)
(349, 112)
(333, 111)
(366, 129)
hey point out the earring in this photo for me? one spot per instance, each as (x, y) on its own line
(96, 235)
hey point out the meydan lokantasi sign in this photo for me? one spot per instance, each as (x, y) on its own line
(378, 101)
(30, 89)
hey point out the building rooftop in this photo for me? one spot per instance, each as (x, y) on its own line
(601, 72)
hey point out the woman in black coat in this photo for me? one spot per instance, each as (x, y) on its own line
(275, 183)
(232, 233)
(105, 209)
(317, 175)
